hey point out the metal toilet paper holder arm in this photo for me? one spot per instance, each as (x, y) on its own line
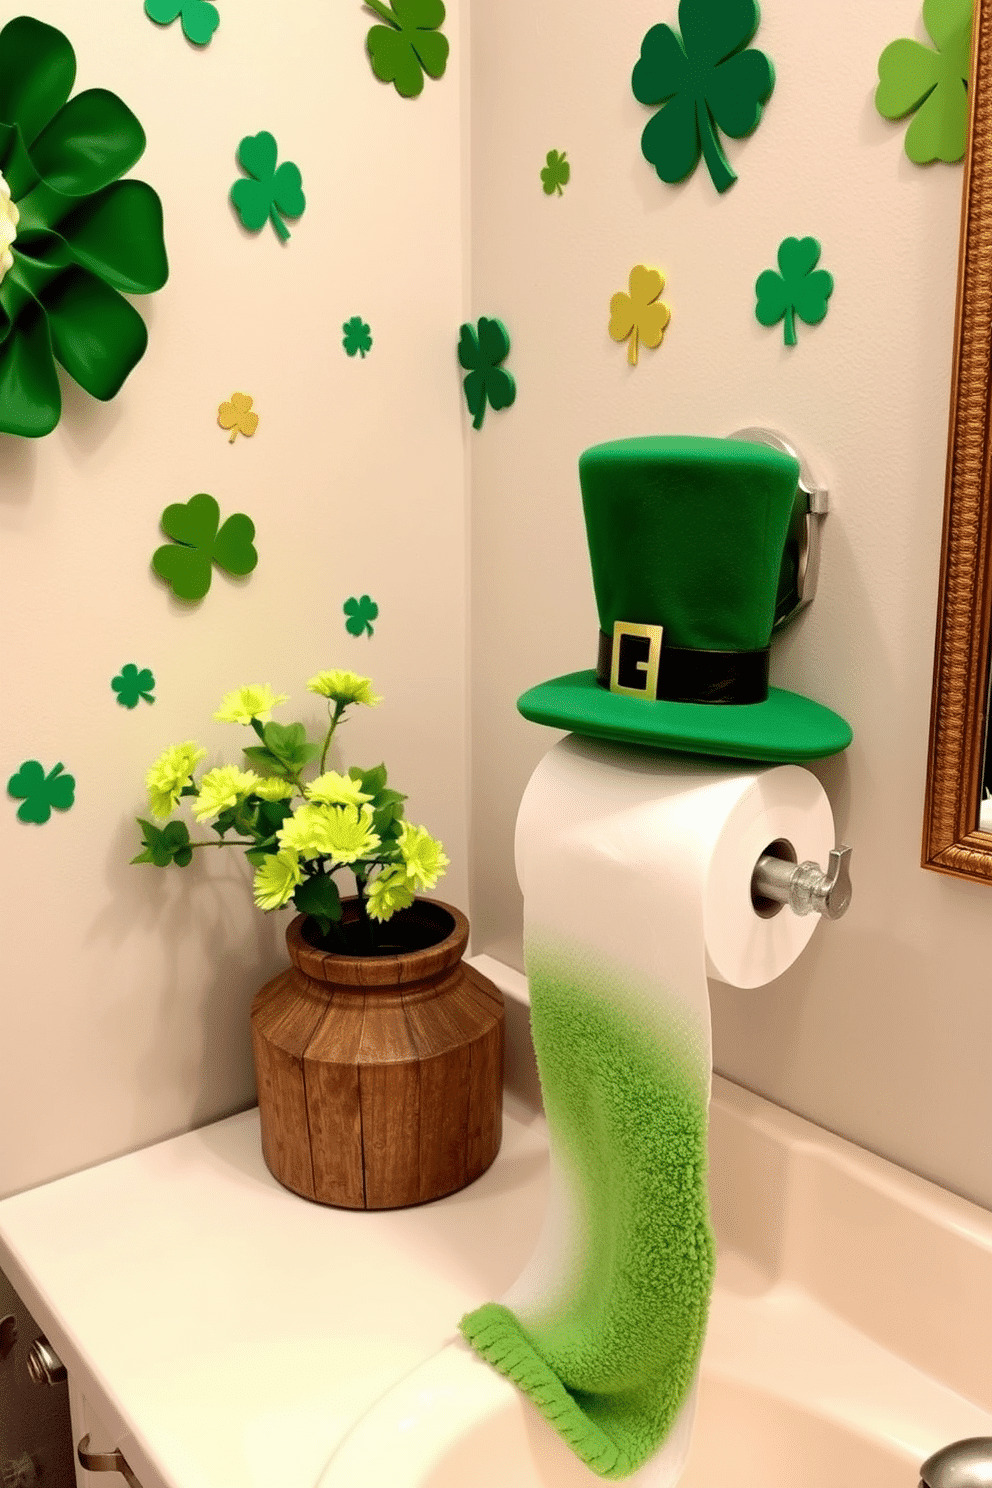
(805, 887)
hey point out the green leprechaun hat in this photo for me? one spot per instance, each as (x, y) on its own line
(686, 538)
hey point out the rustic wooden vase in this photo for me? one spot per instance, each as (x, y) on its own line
(380, 1078)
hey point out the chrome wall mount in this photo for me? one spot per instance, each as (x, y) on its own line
(801, 563)
(804, 887)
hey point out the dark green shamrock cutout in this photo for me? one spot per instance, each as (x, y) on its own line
(200, 19)
(480, 353)
(131, 685)
(39, 792)
(84, 240)
(408, 45)
(704, 80)
(164, 845)
(273, 191)
(361, 613)
(198, 542)
(556, 173)
(357, 336)
(931, 84)
(796, 289)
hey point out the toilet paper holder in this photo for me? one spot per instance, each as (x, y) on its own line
(778, 880)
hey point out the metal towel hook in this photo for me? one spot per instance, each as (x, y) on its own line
(804, 887)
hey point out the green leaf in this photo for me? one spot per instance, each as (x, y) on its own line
(30, 396)
(118, 234)
(267, 762)
(318, 896)
(372, 781)
(90, 142)
(37, 71)
(256, 857)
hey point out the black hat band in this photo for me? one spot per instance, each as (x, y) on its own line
(636, 656)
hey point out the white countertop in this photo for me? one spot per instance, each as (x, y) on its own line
(229, 1332)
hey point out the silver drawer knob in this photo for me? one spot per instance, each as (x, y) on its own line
(961, 1464)
(44, 1365)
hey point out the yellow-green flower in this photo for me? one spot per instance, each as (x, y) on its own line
(423, 856)
(222, 788)
(272, 788)
(246, 703)
(170, 774)
(350, 835)
(344, 687)
(388, 893)
(333, 789)
(305, 832)
(276, 880)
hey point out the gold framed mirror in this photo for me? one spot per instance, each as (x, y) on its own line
(956, 769)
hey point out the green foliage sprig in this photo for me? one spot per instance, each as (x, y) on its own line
(297, 833)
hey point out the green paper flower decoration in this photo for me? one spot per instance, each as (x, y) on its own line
(199, 18)
(198, 542)
(480, 352)
(361, 613)
(357, 336)
(131, 685)
(41, 793)
(74, 237)
(274, 193)
(556, 174)
(408, 45)
(704, 80)
(800, 288)
(933, 85)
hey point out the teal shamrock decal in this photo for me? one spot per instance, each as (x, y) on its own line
(556, 173)
(198, 542)
(357, 336)
(703, 80)
(361, 613)
(480, 353)
(272, 192)
(41, 793)
(131, 685)
(200, 19)
(799, 288)
(933, 85)
(408, 45)
(76, 241)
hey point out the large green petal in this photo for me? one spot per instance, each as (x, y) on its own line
(736, 91)
(394, 60)
(37, 71)
(431, 48)
(670, 140)
(907, 72)
(947, 23)
(939, 130)
(15, 162)
(118, 234)
(714, 30)
(96, 334)
(662, 69)
(413, 14)
(89, 143)
(30, 396)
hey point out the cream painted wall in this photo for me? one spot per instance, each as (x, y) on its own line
(125, 990)
(883, 1030)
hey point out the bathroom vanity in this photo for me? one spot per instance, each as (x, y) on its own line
(221, 1332)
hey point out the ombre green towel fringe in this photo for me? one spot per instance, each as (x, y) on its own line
(610, 1360)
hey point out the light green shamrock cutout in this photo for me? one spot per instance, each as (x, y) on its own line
(933, 85)
(796, 289)
(40, 793)
(198, 542)
(273, 191)
(199, 18)
(408, 45)
(556, 173)
(361, 613)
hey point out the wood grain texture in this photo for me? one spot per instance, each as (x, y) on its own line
(952, 842)
(380, 1079)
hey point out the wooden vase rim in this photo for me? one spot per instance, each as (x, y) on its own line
(333, 968)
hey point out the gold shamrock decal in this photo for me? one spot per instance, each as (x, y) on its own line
(237, 416)
(636, 314)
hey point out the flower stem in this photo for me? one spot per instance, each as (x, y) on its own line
(338, 710)
(224, 842)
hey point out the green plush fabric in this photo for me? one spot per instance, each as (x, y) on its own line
(610, 1360)
(689, 534)
(785, 729)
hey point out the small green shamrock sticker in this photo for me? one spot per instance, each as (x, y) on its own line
(480, 353)
(361, 613)
(198, 542)
(164, 845)
(357, 336)
(796, 289)
(408, 45)
(272, 192)
(199, 18)
(932, 84)
(131, 685)
(556, 173)
(41, 793)
(703, 80)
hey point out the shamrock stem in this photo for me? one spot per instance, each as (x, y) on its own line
(234, 435)
(790, 326)
(716, 162)
(384, 12)
(632, 348)
(278, 224)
